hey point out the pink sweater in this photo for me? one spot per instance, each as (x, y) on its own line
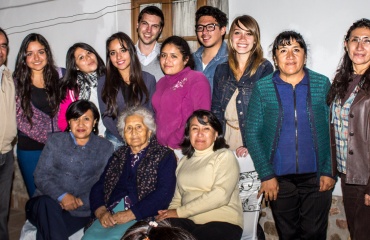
(175, 99)
(62, 120)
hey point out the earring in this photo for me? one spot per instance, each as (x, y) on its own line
(70, 130)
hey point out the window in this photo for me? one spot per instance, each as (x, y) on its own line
(179, 16)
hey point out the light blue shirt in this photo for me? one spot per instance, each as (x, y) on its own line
(209, 70)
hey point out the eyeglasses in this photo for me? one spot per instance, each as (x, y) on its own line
(210, 27)
(356, 40)
(137, 128)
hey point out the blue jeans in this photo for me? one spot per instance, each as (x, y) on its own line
(27, 161)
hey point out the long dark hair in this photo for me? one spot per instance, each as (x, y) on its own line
(114, 79)
(22, 75)
(344, 73)
(204, 117)
(69, 80)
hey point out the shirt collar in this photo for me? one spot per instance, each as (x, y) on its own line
(156, 49)
(221, 52)
(74, 139)
(145, 60)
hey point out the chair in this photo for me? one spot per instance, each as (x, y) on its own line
(29, 232)
(249, 185)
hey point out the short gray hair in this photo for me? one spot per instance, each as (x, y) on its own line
(147, 115)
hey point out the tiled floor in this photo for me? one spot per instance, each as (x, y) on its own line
(16, 221)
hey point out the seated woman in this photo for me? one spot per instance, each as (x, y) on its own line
(138, 180)
(206, 201)
(143, 230)
(69, 165)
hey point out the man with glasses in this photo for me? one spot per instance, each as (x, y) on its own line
(8, 131)
(210, 29)
(149, 27)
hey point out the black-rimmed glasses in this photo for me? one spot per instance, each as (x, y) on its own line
(209, 27)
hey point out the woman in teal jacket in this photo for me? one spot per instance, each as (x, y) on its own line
(287, 136)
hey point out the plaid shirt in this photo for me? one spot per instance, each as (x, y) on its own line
(340, 121)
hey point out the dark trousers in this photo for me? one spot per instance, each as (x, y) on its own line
(211, 230)
(6, 179)
(357, 213)
(51, 221)
(301, 211)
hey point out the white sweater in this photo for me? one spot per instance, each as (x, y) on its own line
(207, 188)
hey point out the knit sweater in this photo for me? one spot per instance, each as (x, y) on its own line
(207, 188)
(264, 122)
(176, 98)
(154, 185)
(154, 68)
(65, 167)
(8, 126)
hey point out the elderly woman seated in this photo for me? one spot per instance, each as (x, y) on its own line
(138, 180)
(206, 201)
(69, 165)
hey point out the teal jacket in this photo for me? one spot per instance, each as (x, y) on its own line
(264, 121)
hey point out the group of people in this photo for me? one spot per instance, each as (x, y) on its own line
(154, 133)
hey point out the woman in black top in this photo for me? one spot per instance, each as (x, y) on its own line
(37, 100)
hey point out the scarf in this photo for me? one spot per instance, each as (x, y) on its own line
(85, 83)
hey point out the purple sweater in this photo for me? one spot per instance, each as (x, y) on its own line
(175, 99)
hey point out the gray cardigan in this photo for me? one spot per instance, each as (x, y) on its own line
(65, 167)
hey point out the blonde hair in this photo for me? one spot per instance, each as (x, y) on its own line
(256, 56)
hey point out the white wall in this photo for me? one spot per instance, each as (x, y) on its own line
(63, 23)
(323, 24)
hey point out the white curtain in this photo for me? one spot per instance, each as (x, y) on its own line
(220, 4)
(142, 6)
(183, 15)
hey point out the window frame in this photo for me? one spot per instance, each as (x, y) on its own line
(167, 12)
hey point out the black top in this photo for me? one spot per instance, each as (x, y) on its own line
(39, 99)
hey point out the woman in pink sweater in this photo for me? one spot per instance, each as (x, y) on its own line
(179, 93)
